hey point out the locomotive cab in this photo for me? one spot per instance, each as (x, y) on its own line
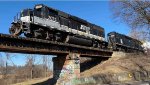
(38, 10)
(43, 11)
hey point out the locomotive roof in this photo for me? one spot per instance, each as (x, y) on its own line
(66, 15)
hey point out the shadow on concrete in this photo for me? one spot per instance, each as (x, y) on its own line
(91, 63)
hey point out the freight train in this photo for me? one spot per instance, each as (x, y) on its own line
(43, 22)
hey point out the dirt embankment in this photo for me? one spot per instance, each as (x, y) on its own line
(127, 68)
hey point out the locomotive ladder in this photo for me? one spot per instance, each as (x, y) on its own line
(10, 43)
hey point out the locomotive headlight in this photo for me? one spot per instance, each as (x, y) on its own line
(38, 6)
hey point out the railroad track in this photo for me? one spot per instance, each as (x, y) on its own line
(10, 43)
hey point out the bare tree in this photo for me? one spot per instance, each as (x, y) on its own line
(45, 65)
(9, 62)
(30, 60)
(136, 14)
(9, 57)
(34, 69)
(2, 65)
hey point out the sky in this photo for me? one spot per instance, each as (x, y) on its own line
(96, 12)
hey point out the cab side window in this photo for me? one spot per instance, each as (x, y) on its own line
(38, 12)
(64, 21)
(73, 24)
(52, 12)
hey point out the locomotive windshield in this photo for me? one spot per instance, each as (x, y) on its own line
(26, 12)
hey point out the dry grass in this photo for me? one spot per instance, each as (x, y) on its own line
(120, 64)
(33, 81)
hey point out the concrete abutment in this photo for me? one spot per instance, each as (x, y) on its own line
(66, 68)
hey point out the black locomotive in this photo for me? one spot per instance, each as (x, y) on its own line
(120, 42)
(47, 23)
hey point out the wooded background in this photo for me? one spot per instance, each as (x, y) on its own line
(11, 73)
(136, 14)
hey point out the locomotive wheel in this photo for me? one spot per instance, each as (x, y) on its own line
(15, 30)
(58, 37)
(28, 35)
(95, 44)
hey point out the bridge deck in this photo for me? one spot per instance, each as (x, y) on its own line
(10, 43)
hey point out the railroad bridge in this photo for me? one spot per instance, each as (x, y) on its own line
(67, 62)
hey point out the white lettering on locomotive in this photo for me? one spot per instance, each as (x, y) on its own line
(52, 18)
(85, 28)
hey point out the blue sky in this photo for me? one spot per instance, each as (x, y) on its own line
(96, 12)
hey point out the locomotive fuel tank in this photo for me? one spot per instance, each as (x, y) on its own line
(78, 41)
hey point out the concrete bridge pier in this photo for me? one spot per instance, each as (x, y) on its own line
(66, 69)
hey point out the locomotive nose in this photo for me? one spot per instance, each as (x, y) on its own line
(15, 29)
